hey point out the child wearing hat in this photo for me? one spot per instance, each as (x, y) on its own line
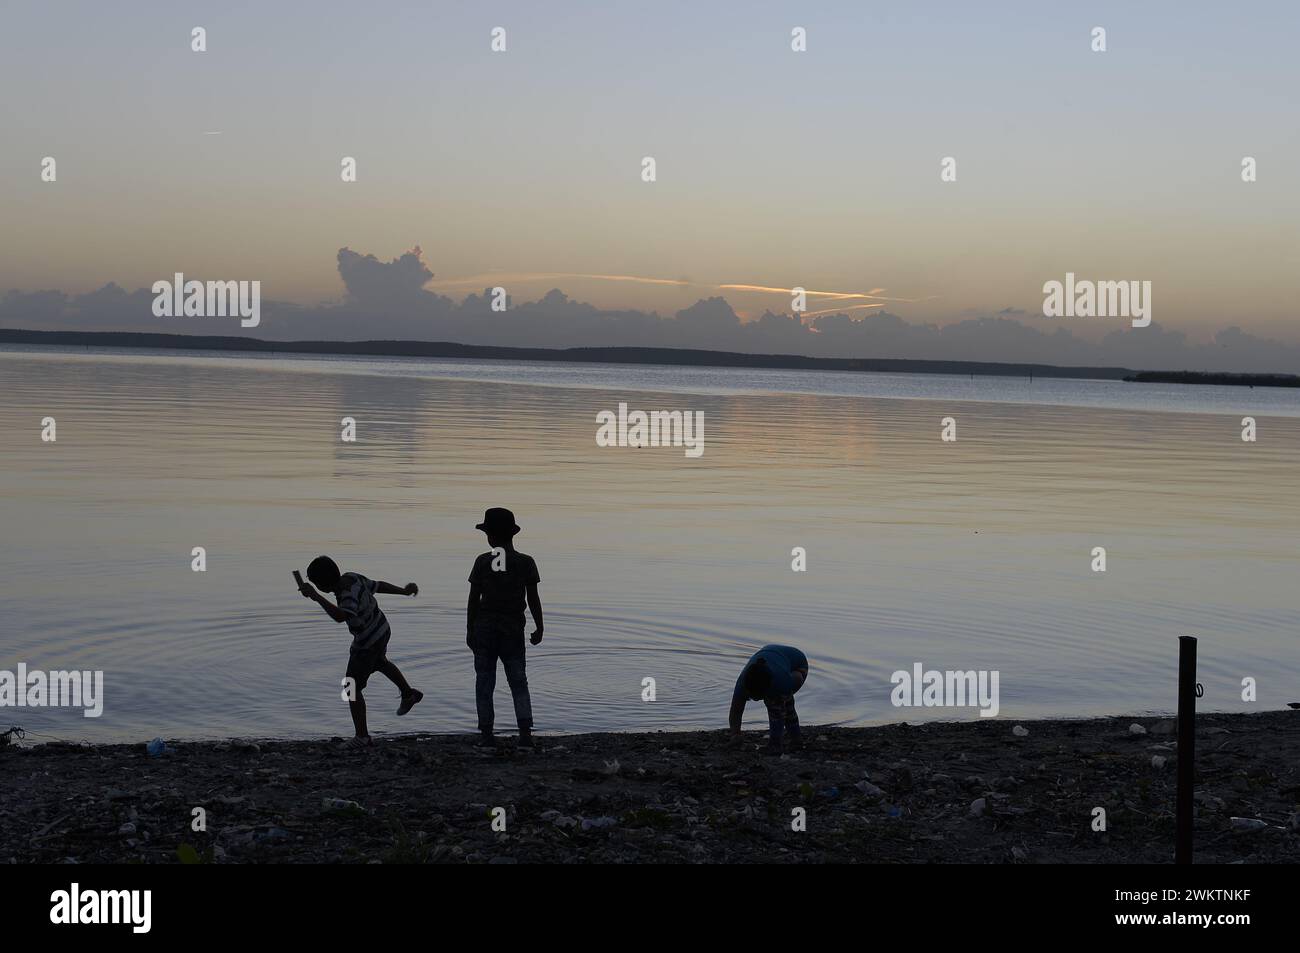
(501, 583)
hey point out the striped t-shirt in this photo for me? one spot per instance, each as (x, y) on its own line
(367, 622)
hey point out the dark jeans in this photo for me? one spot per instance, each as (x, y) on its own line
(780, 716)
(496, 639)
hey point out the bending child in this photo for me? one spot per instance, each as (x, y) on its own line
(773, 674)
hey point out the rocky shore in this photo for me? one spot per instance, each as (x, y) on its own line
(971, 792)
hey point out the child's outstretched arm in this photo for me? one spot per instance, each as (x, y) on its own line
(388, 589)
(535, 607)
(736, 714)
(333, 611)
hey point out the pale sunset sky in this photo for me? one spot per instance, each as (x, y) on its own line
(775, 168)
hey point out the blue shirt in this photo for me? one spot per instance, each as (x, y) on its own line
(782, 661)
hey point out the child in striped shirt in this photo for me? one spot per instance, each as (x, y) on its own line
(357, 606)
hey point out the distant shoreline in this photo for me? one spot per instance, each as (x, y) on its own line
(591, 355)
(676, 357)
(1209, 377)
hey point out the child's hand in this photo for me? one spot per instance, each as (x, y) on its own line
(411, 589)
(536, 637)
(308, 590)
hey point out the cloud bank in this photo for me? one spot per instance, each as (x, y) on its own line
(388, 301)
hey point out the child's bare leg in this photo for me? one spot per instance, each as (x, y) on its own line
(410, 697)
(358, 710)
(394, 675)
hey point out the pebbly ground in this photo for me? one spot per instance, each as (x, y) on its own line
(970, 792)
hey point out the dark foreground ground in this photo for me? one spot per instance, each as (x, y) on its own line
(970, 792)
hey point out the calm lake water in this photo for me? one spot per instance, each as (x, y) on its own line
(967, 555)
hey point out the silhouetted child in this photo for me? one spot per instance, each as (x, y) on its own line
(500, 584)
(773, 674)
(355, 595)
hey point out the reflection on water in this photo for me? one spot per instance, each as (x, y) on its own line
(971, 555)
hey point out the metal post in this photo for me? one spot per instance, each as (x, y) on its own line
(1186, 747)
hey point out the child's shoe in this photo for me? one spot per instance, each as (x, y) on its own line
(526, 738)
(409, 701)
(485, 740)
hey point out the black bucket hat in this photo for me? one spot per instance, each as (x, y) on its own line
(498, 520)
